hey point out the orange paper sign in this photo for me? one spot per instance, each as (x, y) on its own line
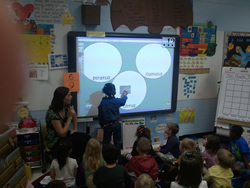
(71, 81)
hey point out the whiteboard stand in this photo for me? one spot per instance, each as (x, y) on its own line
(87, 122)
(234, 97)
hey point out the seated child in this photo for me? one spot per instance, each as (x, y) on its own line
(63, 167)
(111, 175)
(142, 131)
(170, 151)
(212, 145)
(190, 171)
(92, 160)
(144, 181)
(186, 144)
(239, 147)
(168, 173)
(221, 174)
(143, 163)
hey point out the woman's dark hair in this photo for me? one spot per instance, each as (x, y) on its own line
(190, 169)
(62, 152)
(143, 131)
(213, 144)
(168, 172)
(57, 101)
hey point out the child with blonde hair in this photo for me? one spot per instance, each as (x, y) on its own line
(221, 174)
(186, 144)
(92, 160)
(144, 181)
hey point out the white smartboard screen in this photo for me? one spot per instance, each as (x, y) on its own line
(146, 66)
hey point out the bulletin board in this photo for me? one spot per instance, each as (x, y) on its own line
(201, 85)
(237, 49)
(40, 93)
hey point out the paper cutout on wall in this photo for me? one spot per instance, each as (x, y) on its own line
(186, 115)
(189, 87)
(71, 81)
(237, 49)
(198, 40)
(22, 12)
(67, 19)
(153, 13)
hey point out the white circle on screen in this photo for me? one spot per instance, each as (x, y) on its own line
(153, 61)
(134, 84)
(102, 62)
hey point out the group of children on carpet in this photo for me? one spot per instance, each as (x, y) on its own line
(175, 164)
(181, 163)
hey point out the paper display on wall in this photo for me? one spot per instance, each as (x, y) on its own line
(38, 72)
(38, 47)
(200, 86)
(129, 130)
(50, 11)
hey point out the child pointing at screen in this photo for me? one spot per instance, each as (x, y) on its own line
(109, 115)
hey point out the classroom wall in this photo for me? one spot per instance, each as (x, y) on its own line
(226, 14)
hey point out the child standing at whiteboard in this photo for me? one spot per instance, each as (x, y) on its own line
(109, 115)
(239, 147)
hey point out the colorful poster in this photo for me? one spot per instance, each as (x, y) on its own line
(237, 49)
(38, 48)
(198, 40)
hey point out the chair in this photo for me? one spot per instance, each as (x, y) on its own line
(47, 153)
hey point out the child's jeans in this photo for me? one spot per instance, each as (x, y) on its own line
(114, 129)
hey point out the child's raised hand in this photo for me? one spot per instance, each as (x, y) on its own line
(124, 93)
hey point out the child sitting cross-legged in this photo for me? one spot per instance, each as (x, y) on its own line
(144, 162)
(170, 151)
(111, 175)
(221, 174)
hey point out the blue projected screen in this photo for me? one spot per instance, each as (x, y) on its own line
(144, 67)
